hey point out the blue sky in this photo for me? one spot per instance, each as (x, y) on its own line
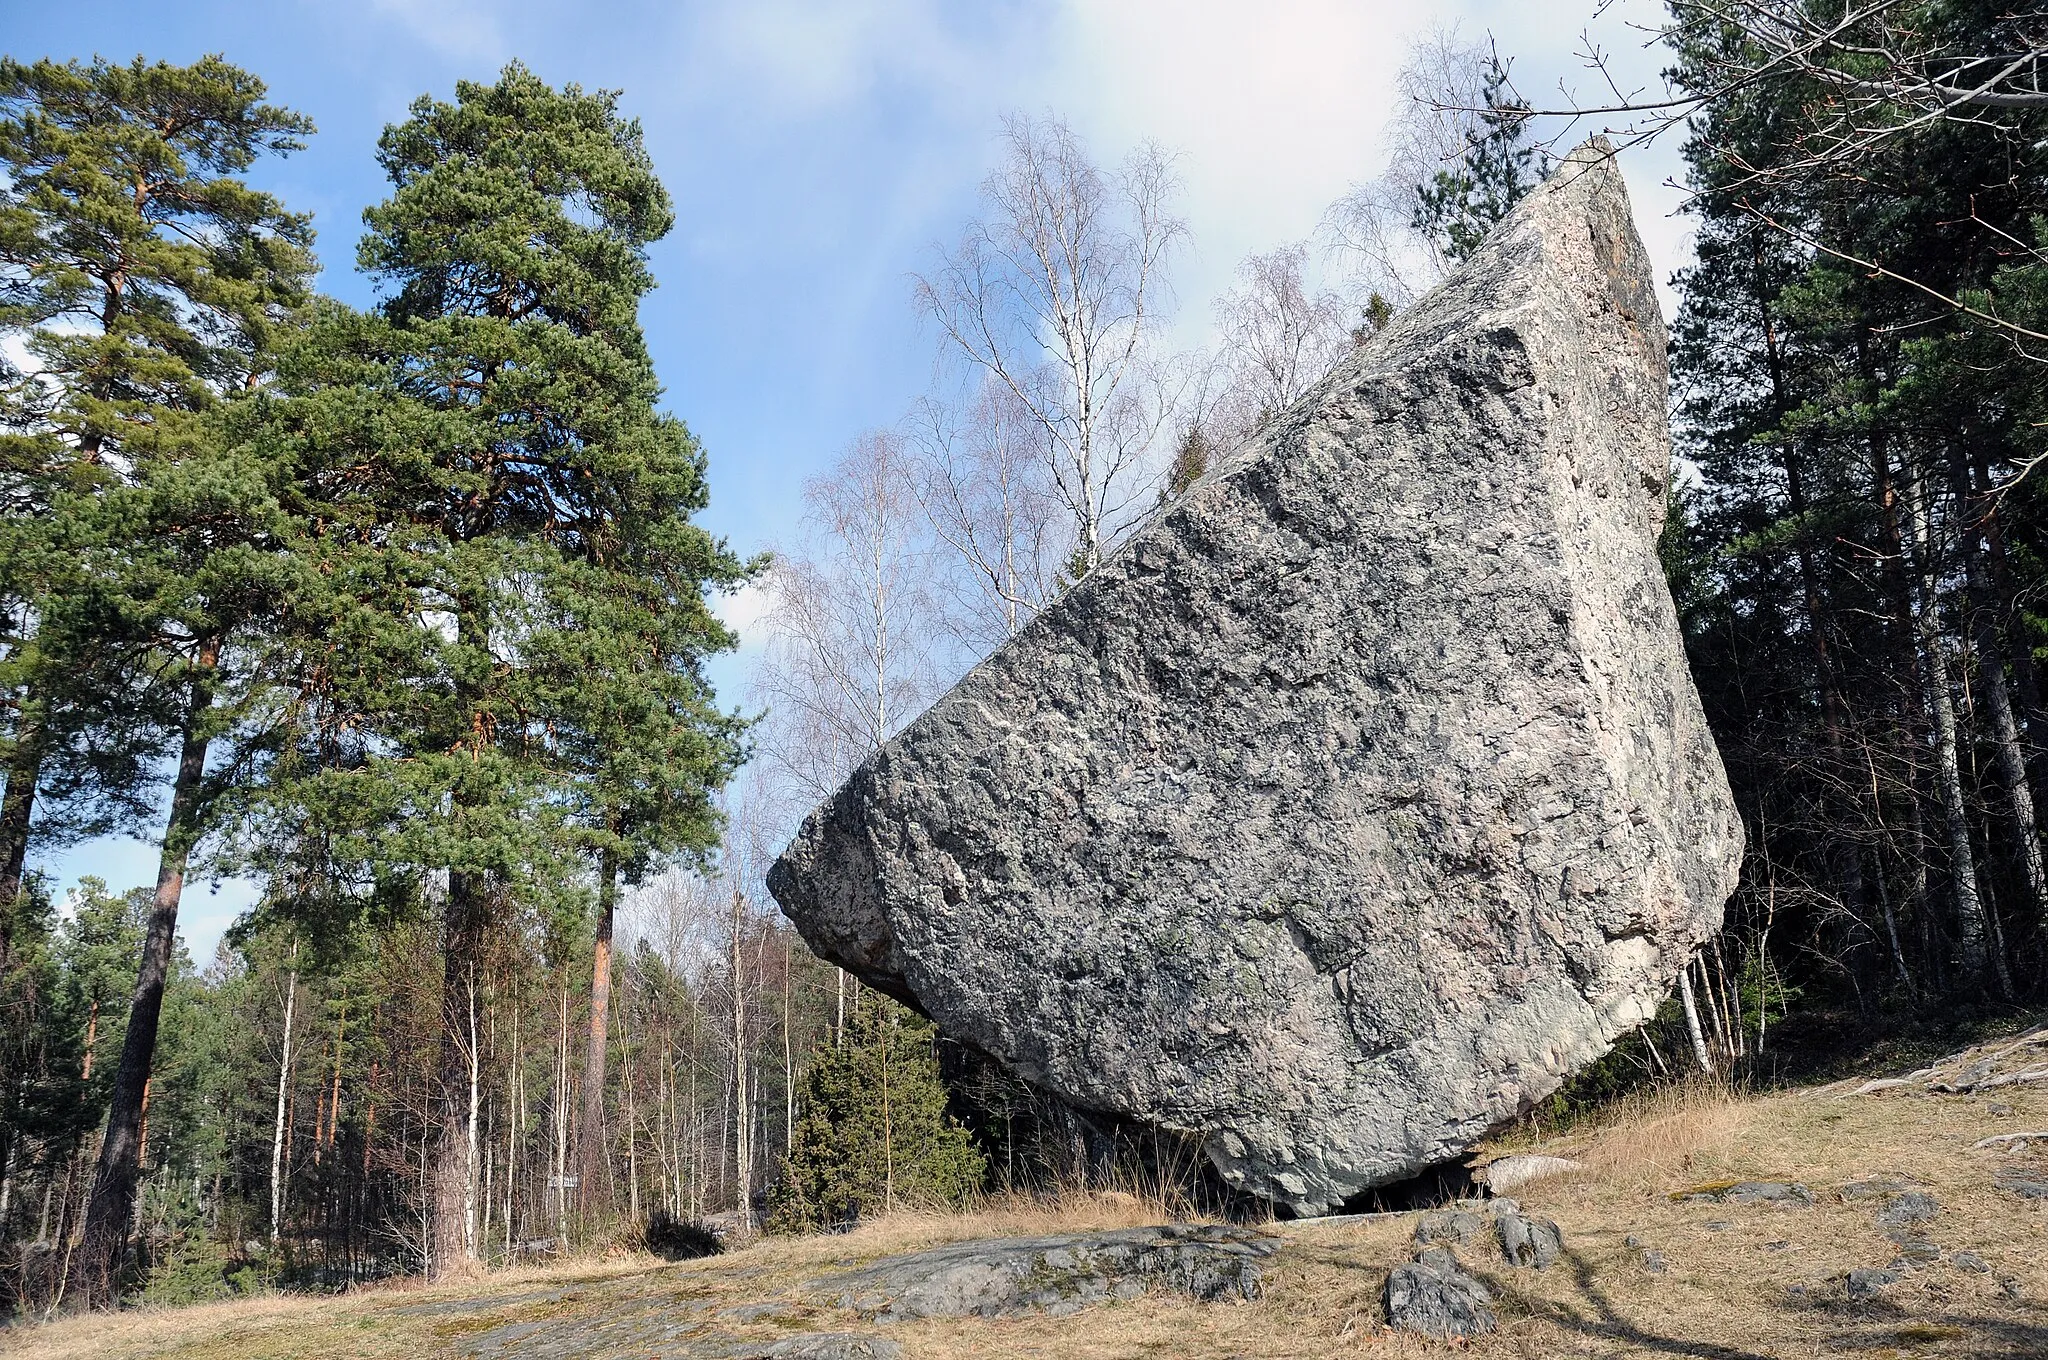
(817, 151)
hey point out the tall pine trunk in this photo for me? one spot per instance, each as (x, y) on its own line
(95, 1271)
(17, 807)
(593, 1186)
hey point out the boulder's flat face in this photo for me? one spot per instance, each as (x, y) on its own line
(1364, 794)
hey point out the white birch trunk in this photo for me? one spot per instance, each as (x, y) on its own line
(284, 1068)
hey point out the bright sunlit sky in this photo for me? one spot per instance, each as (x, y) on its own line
(816, 153)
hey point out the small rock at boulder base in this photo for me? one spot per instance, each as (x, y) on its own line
(1864, 1285)
(1654, 1262)
(1912, 1206)
(1055, 1275)
(1450, 1225)
(1434, 1297)
(1529, 1242)
(1510, 1173)
(1970, 1261)
(1362, 794)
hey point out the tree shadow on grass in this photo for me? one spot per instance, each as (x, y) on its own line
(1853, 1327)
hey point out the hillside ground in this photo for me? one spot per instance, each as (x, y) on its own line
(1739, 1279)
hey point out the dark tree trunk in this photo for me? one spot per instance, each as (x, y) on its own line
(96, 1269)
(17, 807)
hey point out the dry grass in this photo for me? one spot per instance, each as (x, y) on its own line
(1648, 1142)
(1727, 1292)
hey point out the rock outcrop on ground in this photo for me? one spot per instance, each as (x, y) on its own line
(1057, 1275)
(1363, 795)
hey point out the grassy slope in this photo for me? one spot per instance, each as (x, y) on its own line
(1725, 1294)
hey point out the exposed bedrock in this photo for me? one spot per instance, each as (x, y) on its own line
(1363, 795)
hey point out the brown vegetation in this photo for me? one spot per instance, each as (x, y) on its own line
(1743, 1279)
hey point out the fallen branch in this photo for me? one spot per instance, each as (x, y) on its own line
(1997, 1139)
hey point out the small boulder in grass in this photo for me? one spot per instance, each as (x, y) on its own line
(1777, 1194)
(1503, 1174)
(1459, 1227)
(1433, 1296)
(1529, 1242)
(1862, 1286)
(1915, 1251)
(2025, 1184)
(1907, 1208)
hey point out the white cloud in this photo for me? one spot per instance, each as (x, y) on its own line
(1277, 108)
(1274, 108)
(744, 611)
(464, 29)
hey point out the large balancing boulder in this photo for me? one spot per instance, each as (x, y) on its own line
(1363, 795)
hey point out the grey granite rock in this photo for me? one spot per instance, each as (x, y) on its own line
(1865, 1285)
(2026, 1184)
(1435, 1297)
(1362, 795)
(1055, 1275)
(1460, 1227)
(1778, 1194)
(1529, 1241)
(1905, 1209)
(1511, 1173)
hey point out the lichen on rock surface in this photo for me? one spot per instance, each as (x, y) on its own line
(1363, 795)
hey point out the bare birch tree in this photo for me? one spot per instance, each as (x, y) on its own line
(1278, 336)
(284, 1070)
(1055, 291)
(982, 477)
(850, 652)
(1439, 97)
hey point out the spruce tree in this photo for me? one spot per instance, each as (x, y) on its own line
(520, 687)
(874, 1134)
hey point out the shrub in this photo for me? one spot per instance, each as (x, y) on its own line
(678, 1239)
(874, 1132)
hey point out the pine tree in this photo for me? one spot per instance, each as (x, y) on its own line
(147, 280)
(873, 1133)
(520, 691)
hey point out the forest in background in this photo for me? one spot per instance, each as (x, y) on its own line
(403, 613)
